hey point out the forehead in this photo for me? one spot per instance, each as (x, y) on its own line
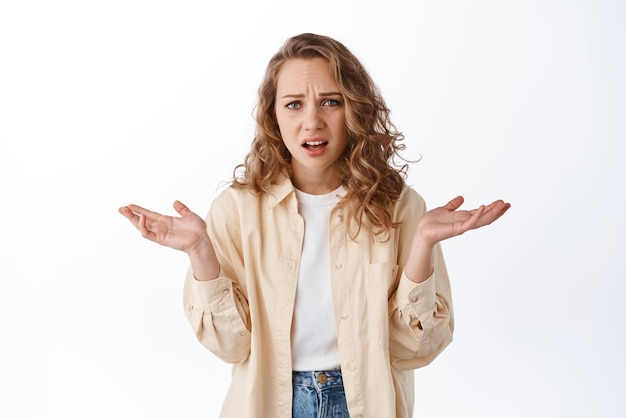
(300, 74)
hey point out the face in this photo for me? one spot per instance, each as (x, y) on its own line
(311, 117)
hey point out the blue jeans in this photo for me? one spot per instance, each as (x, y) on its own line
(319, 395)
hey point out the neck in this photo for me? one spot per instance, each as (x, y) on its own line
(316, 184)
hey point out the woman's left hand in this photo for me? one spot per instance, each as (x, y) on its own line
(442, 223)
(447, 221)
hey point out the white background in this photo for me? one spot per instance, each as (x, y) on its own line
(108, 103)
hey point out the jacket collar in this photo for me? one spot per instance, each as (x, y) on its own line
(279, 191)
(283, 188)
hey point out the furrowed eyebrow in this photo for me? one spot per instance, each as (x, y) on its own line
(299, 96)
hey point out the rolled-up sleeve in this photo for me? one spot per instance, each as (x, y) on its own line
(218, 309)
(421, 323)
(216, 318)
(421, 317)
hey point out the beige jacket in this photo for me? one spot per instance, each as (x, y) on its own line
(387, 325)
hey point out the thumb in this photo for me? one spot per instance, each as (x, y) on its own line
(181, 208)
(454, 204)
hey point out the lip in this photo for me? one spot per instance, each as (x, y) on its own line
(316, 139)
(314, 147)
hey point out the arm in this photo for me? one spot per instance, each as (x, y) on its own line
(214, 304)
(218, 309)
(422, 322)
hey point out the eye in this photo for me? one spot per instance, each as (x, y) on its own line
(293, 105)
(331, 103)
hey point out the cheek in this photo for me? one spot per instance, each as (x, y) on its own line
(282, 122)
(276, 120)
(340, 124)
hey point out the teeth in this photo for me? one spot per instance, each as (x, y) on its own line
(314, 143)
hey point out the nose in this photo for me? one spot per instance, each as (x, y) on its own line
(313, 119)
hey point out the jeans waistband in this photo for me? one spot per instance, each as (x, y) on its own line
(318, 379)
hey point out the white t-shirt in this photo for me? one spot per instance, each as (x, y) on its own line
(313, 332)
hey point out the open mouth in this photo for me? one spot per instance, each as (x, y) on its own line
(313, 145)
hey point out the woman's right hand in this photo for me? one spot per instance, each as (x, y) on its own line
(185, 233)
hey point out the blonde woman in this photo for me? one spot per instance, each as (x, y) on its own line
(318, 272)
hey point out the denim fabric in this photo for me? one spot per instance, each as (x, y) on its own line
(319, 395)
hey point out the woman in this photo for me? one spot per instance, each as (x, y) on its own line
(318, 273)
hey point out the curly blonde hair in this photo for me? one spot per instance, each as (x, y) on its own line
(369, 172)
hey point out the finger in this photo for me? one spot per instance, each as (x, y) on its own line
(129, 214)
(124, 210)
(181, 208)
(493, 212)
(489, 209)
(498, 210)
(141, 224)
(139, 210)
(144, 228)
(497, 207)
(454, 204)
(475, 220)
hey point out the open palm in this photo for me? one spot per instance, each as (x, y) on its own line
(184, 233)
(447, 221)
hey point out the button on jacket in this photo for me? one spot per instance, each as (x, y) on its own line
(387, 325)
